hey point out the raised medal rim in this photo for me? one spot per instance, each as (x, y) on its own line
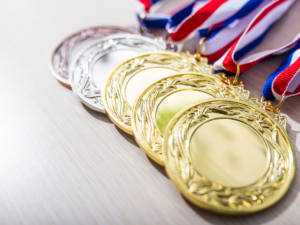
(222, 210)
(113, 37)
(139, 139)
(64, 81)
(126, 128)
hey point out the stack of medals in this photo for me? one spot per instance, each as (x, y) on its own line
(225, 152)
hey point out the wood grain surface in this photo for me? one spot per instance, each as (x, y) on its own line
(62, 163)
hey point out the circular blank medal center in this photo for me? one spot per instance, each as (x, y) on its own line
(138, 83)
(107, 62)
(229, 152)
(174, 103)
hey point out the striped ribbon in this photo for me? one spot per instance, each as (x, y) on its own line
(286, 79)
(222, 22)
(206, 16)
(152, 19)
(281, 82)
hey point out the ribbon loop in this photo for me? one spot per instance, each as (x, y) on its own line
(285, 81)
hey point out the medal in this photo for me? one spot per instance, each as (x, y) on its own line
(229, 156)
(63, 52)
(86, 80)
(129, 79)
(156, 106)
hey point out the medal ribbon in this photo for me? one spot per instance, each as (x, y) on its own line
(286, 79)
(154, 20)
(221, 21)
(281, 80)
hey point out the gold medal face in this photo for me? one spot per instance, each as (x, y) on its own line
(159, 103)
(130, 78)
(229, 156)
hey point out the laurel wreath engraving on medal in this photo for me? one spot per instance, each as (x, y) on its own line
(116, 86)
(203, 62)
(215, 194)
(229, 80)
(146, 108)
(268, 107)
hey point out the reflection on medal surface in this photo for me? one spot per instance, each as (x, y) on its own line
(233, 151)
(130, 78)
(66, 49)
(159, 103)
(229, 156)
(91, 66)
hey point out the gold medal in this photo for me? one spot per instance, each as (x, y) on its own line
(129, 79)
(156, 106)
(230, 156)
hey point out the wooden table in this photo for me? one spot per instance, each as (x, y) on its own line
(62, 163)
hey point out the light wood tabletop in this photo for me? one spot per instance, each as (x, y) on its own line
(62, 163)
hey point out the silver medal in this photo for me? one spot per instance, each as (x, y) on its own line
(90, 67)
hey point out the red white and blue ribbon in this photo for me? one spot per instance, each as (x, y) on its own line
(204, 16)
(221, 21)
(154, 19)
(250, 38)
(286, 79)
